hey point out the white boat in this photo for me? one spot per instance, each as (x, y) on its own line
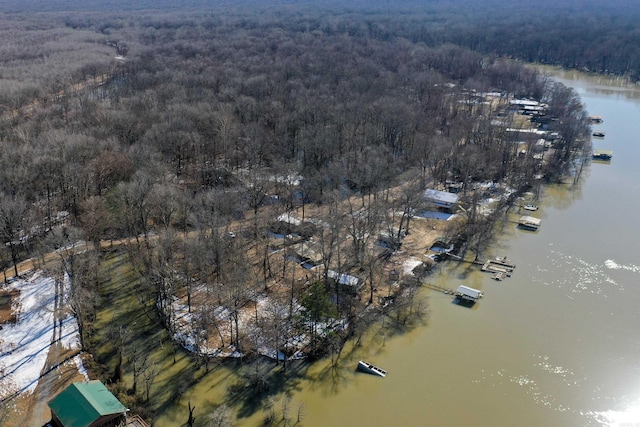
(371, 369)
(530, 207)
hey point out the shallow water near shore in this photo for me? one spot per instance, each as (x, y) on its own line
(556, 344)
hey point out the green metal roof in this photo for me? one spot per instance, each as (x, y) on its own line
(80, 404)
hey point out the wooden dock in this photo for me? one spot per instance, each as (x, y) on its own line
(499, 266)
(444, 290)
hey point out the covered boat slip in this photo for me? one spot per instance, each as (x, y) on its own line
(605, 155)
(467, 293)
(529, 222)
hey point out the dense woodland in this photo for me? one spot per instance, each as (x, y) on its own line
(179, 135)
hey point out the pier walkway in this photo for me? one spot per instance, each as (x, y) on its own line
(442, 289)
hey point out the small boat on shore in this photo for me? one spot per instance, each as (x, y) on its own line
(530, 207)
(371, 369)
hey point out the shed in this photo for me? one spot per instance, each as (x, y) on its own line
(468, 293)
(87, 404)
(441, 199)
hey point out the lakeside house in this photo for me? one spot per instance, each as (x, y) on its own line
(308, 254)
(441, 200)
(287, 224)
(350, 284)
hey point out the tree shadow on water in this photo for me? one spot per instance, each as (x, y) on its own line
(259, 383)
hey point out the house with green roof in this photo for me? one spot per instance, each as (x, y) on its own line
(87, 404)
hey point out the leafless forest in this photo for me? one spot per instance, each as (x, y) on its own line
(210, 145)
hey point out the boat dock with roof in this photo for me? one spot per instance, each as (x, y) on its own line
(469, 294)
(602, 155)
(529, 223)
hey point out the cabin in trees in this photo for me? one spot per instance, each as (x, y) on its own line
(287, 224)
(308, 254)
(441, 200)
(528, 107)
(87, 404)
(349, 284)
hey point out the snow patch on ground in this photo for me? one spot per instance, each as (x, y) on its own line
(24, 345)
(188, 328)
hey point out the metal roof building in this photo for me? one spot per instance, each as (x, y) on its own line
(88, 404)
(441, 199)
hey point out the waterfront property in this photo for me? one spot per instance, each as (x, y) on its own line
(308, 254)
(350, 284)
(529, 223)
(441, 200)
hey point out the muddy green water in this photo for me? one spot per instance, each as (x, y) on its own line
(557, 344)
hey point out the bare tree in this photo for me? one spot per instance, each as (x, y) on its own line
(220, 417)
(13, 211)
(149, 374)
